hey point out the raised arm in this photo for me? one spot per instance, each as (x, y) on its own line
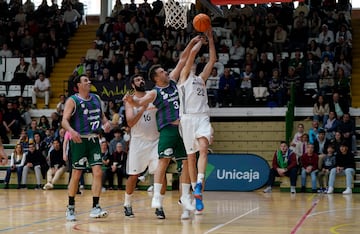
(131, 117)
(184, 74)
(212, 56)
(175, 74)
(144, 101)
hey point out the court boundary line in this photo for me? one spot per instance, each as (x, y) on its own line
(230, 221)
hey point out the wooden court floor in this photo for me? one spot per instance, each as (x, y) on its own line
(38, 211)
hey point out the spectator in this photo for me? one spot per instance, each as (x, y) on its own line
(284, 163)
(34, 70)
(11, 121)
(264, 64)
(327, 64)
(57, 165)
(246, 91)
(342, 83)
(331, 125)
(345, 165)
(227, 87)
(298, 62)
(312, 68)
(339, 105)
(20, 73)
(321, 144)
(321, 110)
(313, 131)
(17, 162)
(60, 105)
(347, 129)
(326, 37)
(105, 30)
(301, 147)
(292, 78)
(24, 140)
(117, 138)
(92, 53)
(27, 43)
(280, 37)
(337, 140)
(132, 28)
(297, 136)
(71, 17)
(344, 64)
(118, 166)
(5, 51)
(42, 90)
(328, 162)
(309, 163)
(326, 83)
(314, 49)
(212, 86)
(237, 54)
(34, 160)
(81, 67)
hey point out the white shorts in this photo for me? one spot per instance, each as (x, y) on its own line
(142, 154)
(193, 127)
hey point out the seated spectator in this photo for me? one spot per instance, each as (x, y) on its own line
(339, 105)
(17, 163)
(347, 129)
(297, 136)
(344, 33)
(309, 166)
(292, 78)
(252, 50)
(327, 163)
(276, 89)
(280, 64)
(227, 86)
(105, 76)
(321, 144)
(326, 37)
(42, 90)
(345, 165)
(61, 105)
(312, 68)
(80, 69)
(328, 52)
(71, 17)
(265, 64)
(117, 137)
(344, 64)
(298, 62)
(57, 165)
(92, 53)
(246, 91)
(313, 131)
(118, 166)
(24, 140)
(212, 86)
(237, 54)
(105, 29)
(5, 51)
(314, 49)
(284, 163)
(11, 121)
(105, 156)
(321, 110)
(34, 161)
(331, 125)
(301, 147)
(342, 83)
(343, 48)
(314, 23)
(326, 83)
(280, 37)
(27, 43)
(32, 129)
(34, 70)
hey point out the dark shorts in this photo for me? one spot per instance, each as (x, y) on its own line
(171, 144)
(86, 153)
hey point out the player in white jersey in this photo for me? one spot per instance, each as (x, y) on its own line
(195, 124)
(143, 149)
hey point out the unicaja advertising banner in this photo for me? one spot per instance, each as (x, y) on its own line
(236, 172)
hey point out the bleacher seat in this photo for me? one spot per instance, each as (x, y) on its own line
(9, 75)
(224, 58)
(3, 89)
(27, 90)
(156, 43)
(284, 55)
(293, 55)
(14, 91)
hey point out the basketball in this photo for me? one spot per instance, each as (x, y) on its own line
(201, 22)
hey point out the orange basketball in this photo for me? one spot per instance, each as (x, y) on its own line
(201, 22)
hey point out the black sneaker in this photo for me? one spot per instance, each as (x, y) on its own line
(128, 212)
(160, 213)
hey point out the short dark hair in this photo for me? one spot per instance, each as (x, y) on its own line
(77, 79)
(134, 76)
(152, 72)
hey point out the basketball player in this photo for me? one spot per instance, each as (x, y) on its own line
(194, 115)
(166, 99)
(83, 118)
(143, 143)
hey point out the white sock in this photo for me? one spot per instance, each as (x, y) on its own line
(185, 189)
(193, 185)
(200, 177)
(127, 201)
(157, 189)
(162, 199)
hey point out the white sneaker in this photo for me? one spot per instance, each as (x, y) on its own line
(292, 189)
(97, 212)
(141, 178)
(48, 186)
(156, 202)
(186, 202)
(198, 212)
(185, 214)
(267, 190)
(330, 190)
(70, 213)
(150, 189)
(348, 191)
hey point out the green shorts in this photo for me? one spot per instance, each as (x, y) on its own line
(86, 153)
(171, 144)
